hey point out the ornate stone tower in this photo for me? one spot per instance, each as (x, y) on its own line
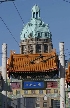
(35, 36)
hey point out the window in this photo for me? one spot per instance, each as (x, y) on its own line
(25, 91)
(4, 104)
(46, 34)
(33, 91)
(31, 49)
(22, 48)
(36, 14)
(38, 99)
(45, 48)
(24, 35)
(40, 91)
(15, 85)
(49, 90)
(69, 100)
(37, 105)
(17, 92)
(52, 84)
(33, 14)
(38, 48)
(45, 104)
(46, 40)
(45, 98)
(10, 93)
(49, 35)
(55, 91)
(39, 34)
(30, 34)
(69, 95)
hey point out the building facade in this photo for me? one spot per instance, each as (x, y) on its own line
(35, 36)
(44, 92)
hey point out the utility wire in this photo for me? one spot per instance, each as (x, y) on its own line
(1, 1)
(7, 26)
(21, 20)
(9, 30)
(18, 12)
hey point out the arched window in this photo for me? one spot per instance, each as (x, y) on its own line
(33, 14)
(24, 35)
(37, 15)
(22, 49)
(45, 33)
(39, 34)
(45, 48)
(38, 48)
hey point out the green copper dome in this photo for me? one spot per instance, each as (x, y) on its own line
(36, 27)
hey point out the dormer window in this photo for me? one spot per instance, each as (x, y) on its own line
(39, 34)
(24, 35)
(46, 34)
(49, 35)
(30, 34)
